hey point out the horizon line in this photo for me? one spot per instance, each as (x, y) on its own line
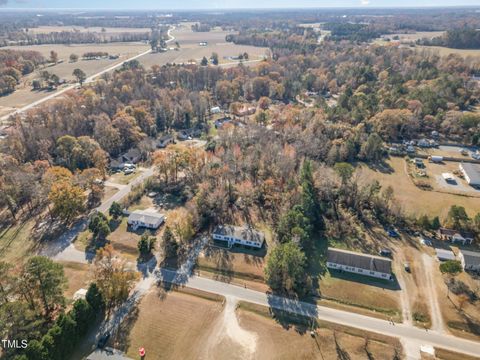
(350, 7)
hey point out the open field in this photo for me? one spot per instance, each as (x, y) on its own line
(172, 325)
(443, 51)
(78, 276)
(190, 50)
(412, 199)
(24, 94)
(289, 338)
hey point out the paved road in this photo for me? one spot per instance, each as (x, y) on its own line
(406, 333)
(72, 86)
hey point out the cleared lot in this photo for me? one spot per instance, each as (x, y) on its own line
(289, 338)
(173, 325)
(412, 199)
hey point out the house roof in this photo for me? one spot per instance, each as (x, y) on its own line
(471, 257)
(445, 254)
(240, 232)
(145, 216)
(453, 232)
(165, 138)
(358, 260)
(114, 163)
(473, 171)
(132, 153)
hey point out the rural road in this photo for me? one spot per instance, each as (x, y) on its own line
(88, 80)
(63, 249)
(406, 333)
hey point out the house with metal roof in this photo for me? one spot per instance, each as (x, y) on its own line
(363, 264)
(471, 173)
(240, 235)
(470, 260)
(145, 218)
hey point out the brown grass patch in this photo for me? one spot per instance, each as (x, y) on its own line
(347, 291)
(279, 342)
(171, 325)
(78, 276)
(414, 200)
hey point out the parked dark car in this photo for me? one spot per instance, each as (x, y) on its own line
(386, 252)
(103, 340)
(392, 233)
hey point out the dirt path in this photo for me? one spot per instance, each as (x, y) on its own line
(404, 298)
(430, 290)
(229, 337)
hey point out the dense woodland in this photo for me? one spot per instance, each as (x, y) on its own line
(290, 167)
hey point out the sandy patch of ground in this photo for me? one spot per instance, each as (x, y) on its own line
(290, 340)
(229, 337)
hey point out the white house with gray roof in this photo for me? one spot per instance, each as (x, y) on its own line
(363, 264)
(470, 260)
(471, 173)
(145, 218)
(241, 235)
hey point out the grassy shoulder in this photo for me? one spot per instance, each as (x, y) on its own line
(287, 336)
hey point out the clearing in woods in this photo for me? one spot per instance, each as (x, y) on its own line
(412, 199)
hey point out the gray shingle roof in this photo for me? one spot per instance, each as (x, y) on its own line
(471, 258)
(358, 260)
(240, 232)
(146, 217)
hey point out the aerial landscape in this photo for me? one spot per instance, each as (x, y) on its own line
(239, 180)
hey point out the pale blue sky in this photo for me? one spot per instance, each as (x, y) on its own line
(225, 4)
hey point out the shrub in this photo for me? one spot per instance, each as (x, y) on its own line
(451, 267)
